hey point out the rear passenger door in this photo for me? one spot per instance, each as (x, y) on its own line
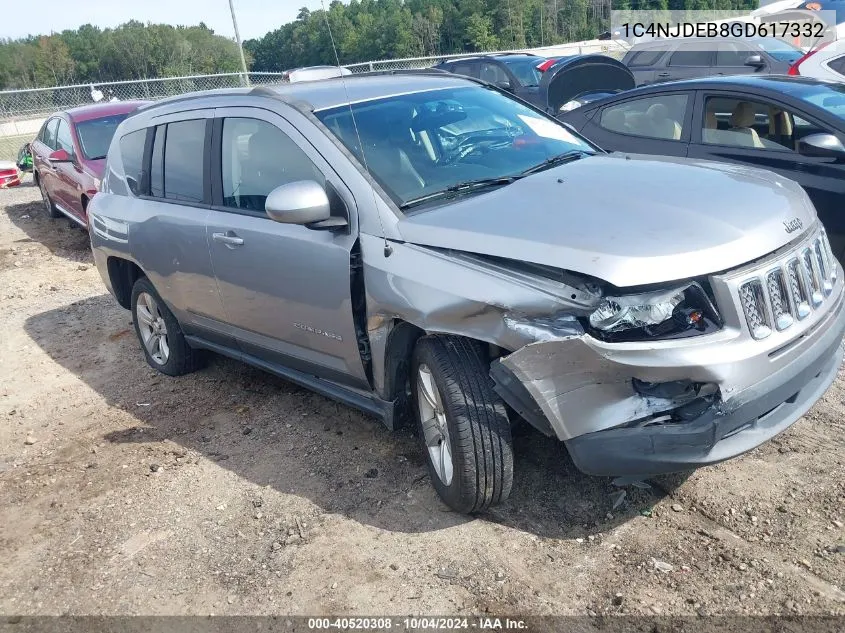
(286, 288)
(731, 57)
(645, 64)
(688, 61)
(168, 232)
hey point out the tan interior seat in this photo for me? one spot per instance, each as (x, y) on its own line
(742, 122)
(711, 132)
(661, 125)
(780, 128)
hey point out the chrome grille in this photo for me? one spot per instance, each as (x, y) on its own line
(790, 290)
(811, 273)
(754, 305)
(778, 299)
(798, 290)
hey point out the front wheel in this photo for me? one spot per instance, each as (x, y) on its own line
(463, 424)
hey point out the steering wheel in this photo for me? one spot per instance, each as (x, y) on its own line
(476, 143)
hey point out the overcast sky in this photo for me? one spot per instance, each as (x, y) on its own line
(255, 17)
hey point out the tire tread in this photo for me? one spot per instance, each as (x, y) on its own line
(481, 429)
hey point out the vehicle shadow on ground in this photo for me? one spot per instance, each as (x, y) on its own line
(62, 237)
(274, 433)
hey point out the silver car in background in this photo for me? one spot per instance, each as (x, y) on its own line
(429, 250)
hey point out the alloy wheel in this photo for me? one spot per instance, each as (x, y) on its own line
(152, 328)
(434, 425)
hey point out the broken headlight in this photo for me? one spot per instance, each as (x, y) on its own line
(674, 313)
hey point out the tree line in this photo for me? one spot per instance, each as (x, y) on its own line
(365, 30)
(360, 30)
(130, 51)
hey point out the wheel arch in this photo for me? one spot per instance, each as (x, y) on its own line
(123, 274)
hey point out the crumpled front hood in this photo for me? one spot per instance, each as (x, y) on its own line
(626, 219)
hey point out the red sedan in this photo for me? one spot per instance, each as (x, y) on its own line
(69, 155)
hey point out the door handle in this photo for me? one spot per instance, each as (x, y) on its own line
(662, 74)
(229, 239)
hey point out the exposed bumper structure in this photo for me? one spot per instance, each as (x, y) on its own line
(656, 407)
(712, 437)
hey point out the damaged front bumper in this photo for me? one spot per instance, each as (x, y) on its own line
(648, 408)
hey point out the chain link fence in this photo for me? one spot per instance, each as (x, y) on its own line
(612, 48)
(22, 112)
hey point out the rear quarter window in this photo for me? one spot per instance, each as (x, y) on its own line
(644, 58)
(184, 151)
(132, 156)
(838, 65)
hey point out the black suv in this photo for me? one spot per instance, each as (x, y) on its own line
(567, 83)
(667, 60)
(514, 72)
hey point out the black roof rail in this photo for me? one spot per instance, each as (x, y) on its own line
(188, 96)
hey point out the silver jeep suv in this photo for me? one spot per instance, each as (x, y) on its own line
(425, 248)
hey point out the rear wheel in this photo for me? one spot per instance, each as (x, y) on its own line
(463, 424)
(164, 345)
(49, 206)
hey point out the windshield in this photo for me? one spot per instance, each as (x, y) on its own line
(830, 97)
(95, 135)
(780, 50)
(526, 70)
(425, 142)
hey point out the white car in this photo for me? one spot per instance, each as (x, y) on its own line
(825, 62)
(313, 73)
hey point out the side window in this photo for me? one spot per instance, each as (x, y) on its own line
(493, 73)
(741, 122)
(49, 138)
(132, 156)
(645, 58)
(732, 54)
(184, 152)
(837, 65)
(468, 69)
(63, 138)
(691, 55)
(157, 163)
(659, 117)
(256, 158)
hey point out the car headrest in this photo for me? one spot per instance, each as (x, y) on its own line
(657, 111)
(743, 115)
(261, 146)
(614, 120)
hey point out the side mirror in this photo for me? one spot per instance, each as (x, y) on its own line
(504, 85)
(300, 202)
(821, 145)
(755, 60)
(59, 156)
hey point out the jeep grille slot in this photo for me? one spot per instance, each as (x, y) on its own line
(799, 292)
(791, 290)
(754, 305)
(779, 299)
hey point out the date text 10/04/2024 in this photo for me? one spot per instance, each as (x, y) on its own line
(416, 624)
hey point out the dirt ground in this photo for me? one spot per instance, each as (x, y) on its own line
(229, 491)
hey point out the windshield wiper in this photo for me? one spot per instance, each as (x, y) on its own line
(554, 161)
(460, 188)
